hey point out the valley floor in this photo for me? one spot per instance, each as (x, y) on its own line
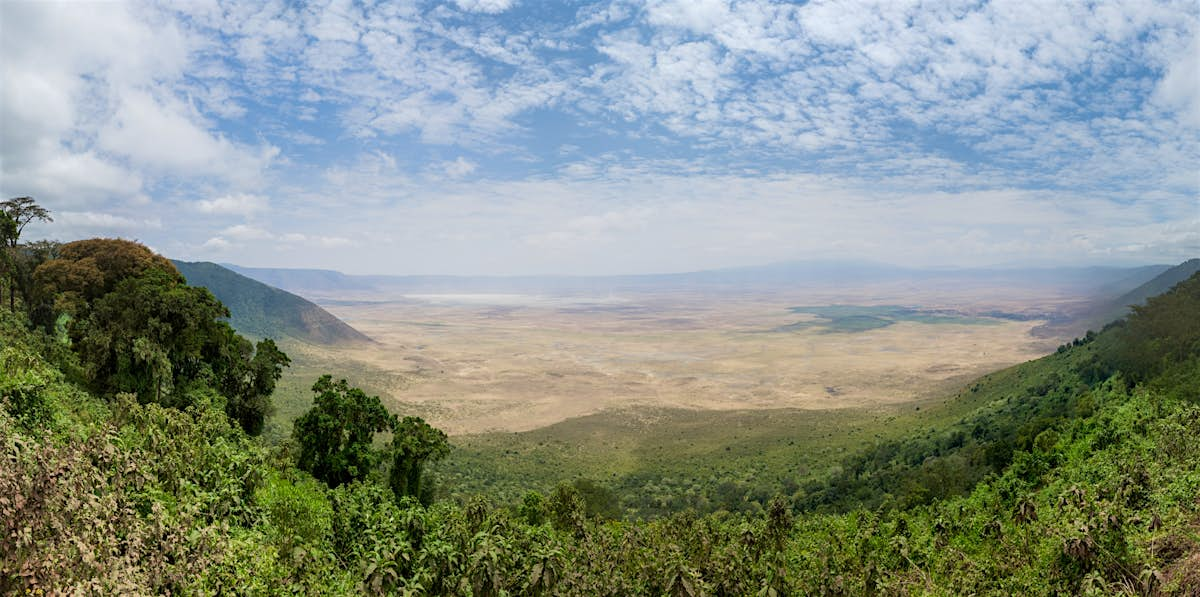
(484, 363)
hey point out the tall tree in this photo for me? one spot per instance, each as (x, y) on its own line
(23, 210)
(250, 381)
(153, 335)
(8, 230)
(335, 435)
(31, 255)
(414, 444)
(82, 271)
(18, 213)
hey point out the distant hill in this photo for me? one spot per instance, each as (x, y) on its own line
(1089, 281)
(1119, 307)
(294, 280)
(266, 312)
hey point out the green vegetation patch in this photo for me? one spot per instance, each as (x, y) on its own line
(848, 319)
(661, 461)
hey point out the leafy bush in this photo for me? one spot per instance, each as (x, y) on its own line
(297, 510)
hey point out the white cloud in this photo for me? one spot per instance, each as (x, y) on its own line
(333, 21)
(488, 6)
(243, 204)
(81, 223)
(90, 109)
(165, 135)
(457, 168)
(246, 232)
(242, 235)
(216, 243)
(330, 242)
(1179, 89)
(617, 218)
(62, 179)
(607, 227)
(704, 132)
(841, 76)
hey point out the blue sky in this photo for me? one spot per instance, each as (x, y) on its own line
(510, 137)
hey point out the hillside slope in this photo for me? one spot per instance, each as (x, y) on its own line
(266, 312)
(1161, 283)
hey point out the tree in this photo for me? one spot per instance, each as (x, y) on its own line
(598, 501)
(248, 377)
(112, 260)
(8, 230)
(29, 256)
(533, 508)
(82, 271)
(414, 444)
(566, 510)
(250, 404)
(335, 435)
(23, 210)
(18, 213)
(140, 328)
(152, 335)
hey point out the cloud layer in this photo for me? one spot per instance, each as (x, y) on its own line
(493, 136)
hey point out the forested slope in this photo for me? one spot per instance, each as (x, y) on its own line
(265, 312)
(1075, 473)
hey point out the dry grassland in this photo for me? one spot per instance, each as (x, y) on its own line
(476, 363)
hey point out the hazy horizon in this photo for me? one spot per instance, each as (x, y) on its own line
(815, 263)
(500, 137)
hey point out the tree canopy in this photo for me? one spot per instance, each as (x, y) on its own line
(22, 211)
(85, 270)
(336, 439)
(139, 328)
(414, 444)
(335, 435)
(15, 214)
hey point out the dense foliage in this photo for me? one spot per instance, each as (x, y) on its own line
(1078, 475)
(337, 441)
(15, 265)
(335, 436)
(138, 328)
(415, 444)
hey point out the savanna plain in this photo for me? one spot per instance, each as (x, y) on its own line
(765, 387)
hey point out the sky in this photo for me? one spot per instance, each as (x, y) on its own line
(533, 137)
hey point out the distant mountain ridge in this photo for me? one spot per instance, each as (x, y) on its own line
(257, 309)
(307, 279)
(1098, 281)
